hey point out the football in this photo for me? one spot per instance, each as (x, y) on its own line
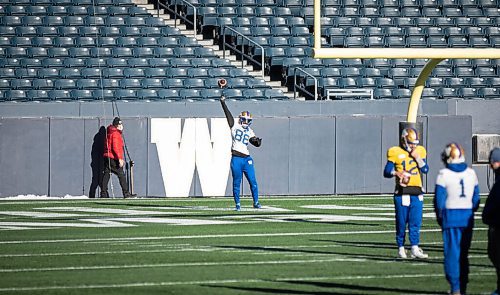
(403, 181)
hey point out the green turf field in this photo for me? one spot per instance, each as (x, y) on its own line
(314, 245)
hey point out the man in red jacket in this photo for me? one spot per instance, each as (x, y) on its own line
(113, 159)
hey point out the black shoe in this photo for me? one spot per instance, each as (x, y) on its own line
(129, 195)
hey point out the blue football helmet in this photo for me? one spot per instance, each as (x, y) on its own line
(453, 153)
(245, 119)
(409, 136)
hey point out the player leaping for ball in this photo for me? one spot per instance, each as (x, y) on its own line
(406, 162)
(241, 161)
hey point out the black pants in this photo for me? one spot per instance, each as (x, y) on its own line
(494, 250)
(113, 166)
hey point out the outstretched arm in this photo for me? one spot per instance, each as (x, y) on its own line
(229, 117)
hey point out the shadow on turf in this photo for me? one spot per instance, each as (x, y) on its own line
(384, 245)
(355, 289)
(273, 249)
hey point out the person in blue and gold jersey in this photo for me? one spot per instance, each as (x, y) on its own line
(406, 163)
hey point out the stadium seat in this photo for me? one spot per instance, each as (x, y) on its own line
(81, 94)
(125, 94)
(177, 73)
(43, 84)
(59, 94)
(383, 93)
(69, 73)
(155, 73)
(173, 83)
(103, 94)
(401, 93)
(151, 83)
(148, 94)
(488, 92)
(15, 95)
(37, 95)
(195, 83)
(168, 94)
(130, 83)
(107, 83)
(86, 84)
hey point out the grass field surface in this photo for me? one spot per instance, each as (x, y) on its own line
(299, 245)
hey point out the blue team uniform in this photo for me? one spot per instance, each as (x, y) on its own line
(456, 199)
(241, 161)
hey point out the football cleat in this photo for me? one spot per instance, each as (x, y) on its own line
(245, 119)
(409, 139)
(257, 205)
(417, 252)
(402, 253)
(238, 207)
(453, 153)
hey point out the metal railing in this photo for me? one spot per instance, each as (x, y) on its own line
(335, 92)
(178, 14)
(295, 85)
(242, 51)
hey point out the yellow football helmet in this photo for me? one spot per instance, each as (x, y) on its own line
(453, 153)
(409, 136)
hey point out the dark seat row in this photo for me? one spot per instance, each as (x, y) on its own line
(73, 20)
(141, 94)
(21, 10)
(92, 31)
(128, 83)
(114, 62)
(20, 73)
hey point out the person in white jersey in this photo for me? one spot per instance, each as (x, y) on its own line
(241, 161)
(455, 201)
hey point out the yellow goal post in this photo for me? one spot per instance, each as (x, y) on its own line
(436, 55)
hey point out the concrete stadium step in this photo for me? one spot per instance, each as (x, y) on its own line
(210, 43)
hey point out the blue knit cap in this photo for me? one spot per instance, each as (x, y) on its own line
(495, 155)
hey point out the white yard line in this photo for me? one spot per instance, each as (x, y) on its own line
(172, 248)
(183, 264)
(232, 281)
(217, 236)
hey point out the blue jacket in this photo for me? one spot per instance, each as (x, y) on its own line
(491, 211)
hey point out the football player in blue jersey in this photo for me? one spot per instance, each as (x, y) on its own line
(406, 162)
(456, 198)
(241, 161)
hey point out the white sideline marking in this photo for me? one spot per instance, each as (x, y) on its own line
(217, 236)
(384, 207)
(184, 264)
(173, 248)
(38, 214)
(233, 281)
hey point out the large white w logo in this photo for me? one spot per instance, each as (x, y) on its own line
(180, 153)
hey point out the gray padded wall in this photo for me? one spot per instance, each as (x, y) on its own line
(299, 155)
(154, 178)
(93, 142)
(271, 159)
(67, 157)
(441, 131)
(136, 136)
(312, 156)
(24, 156)
(357, 157)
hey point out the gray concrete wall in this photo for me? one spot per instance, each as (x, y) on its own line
(300, 155)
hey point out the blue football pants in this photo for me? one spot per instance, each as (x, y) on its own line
(240, 166)
(456, 245)
(411, 215)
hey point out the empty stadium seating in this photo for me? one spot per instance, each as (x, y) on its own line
(55, 46)
(63, 50)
